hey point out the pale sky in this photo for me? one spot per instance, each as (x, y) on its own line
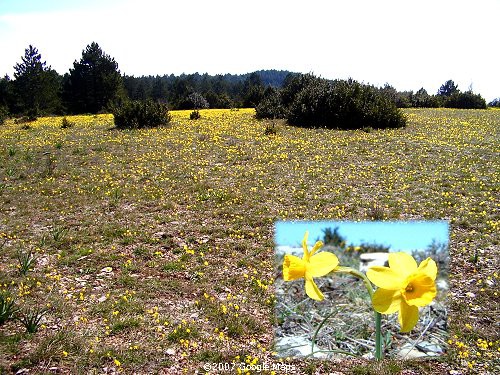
(399, 235)
(409, 44)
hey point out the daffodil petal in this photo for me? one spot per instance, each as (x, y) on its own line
(312, 290)
(403, 263)
(408, 316)
(293, 268)
(304, 246)
(318, 245)
(385, 278)
(322, 263)
(386, 301)
(429, 267)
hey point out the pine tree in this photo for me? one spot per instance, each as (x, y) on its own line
(159, 90)
(36, 85)
(253, 90)
(94, 82)
(448, 88)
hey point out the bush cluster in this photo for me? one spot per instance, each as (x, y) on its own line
(311, 101)
(140, 114)
(465, 100)
(271, 105)
(448, 96)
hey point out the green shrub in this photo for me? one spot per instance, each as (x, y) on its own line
(293, 85)
(421, 99)
(310, 101)
(465, 100)
(317, 102)
(271, 128)
(140, 114)
(270, 106)
(66, 123)
(195, 115)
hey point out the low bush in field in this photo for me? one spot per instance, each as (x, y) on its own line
(140, 114)
(195, 115)
(311, 101)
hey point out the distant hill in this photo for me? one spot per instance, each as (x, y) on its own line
(269, 77)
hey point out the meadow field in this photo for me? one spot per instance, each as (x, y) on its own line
(151, 251)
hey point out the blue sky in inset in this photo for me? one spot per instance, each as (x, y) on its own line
(399, 235)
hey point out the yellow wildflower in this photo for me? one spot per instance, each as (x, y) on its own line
(403, 287)
(311, 265)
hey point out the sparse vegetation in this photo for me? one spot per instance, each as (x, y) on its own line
(31, 318)
(26, 260)
(132, 227)
(7, 308)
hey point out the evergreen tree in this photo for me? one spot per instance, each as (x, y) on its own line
(448, 88)
(5, 91)
(94, 82)
(159, 90)
(253, 91)
(36, 85)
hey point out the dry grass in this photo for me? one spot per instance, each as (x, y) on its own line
(154, 248)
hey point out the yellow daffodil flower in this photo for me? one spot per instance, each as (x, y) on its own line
(311, 265)
(403, 287)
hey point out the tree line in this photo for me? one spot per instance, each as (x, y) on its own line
(95, 82)
(448, 96)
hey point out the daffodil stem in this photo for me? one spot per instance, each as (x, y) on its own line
(359, 275)
(378, 336)
(378, 316)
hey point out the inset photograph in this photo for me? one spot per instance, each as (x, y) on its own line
(361, 289)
